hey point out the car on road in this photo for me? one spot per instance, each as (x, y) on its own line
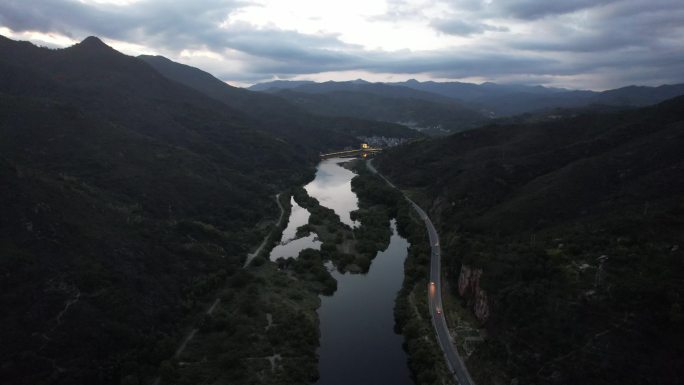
(436, 244)
(439, 311)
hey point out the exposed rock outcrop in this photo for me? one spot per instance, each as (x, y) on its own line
(469, 288)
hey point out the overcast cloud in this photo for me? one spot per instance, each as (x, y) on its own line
(590, 44)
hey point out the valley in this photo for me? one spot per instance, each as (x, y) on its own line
(160, 226)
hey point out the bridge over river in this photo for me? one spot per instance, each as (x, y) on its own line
(363, 152)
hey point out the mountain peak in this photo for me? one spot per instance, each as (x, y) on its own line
(93, 42)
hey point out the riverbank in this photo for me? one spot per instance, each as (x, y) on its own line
(283, 200)
(249, 337)
(358, 318)
(261, 328)
(263, 331)
(411, 310)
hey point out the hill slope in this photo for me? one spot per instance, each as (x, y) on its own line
(127, 198)
(565, 239)
(507, 100)
(426, 116)
(428, 112)
(279, 116)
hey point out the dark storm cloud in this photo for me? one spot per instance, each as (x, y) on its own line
(534, 9)
(290, 47)
(452, 64)
(173, 26)
(461, 27)
(273, 51)
(627, 39)
(52, 16)
(463, 63)
(174, 23)
(627, 25)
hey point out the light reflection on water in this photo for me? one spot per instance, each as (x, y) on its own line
(332, 188)
(290, 246)
(358, 343)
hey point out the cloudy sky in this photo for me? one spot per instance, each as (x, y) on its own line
(588, 44)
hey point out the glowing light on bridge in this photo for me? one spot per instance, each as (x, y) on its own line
(363, 151)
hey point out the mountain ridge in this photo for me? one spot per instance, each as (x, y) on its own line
(424, 111)
(507, 100)
(279, 114)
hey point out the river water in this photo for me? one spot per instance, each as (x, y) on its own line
(358, 343)
(332, 188)
(290, 245)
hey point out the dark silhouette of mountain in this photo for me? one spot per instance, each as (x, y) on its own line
(428, 112)
(638, 95)
(380, 89)
(276, 114)
(471, 91)
(564, 237)
(433, 118)
(491, 99)
(515, 99)
(278, 84)
(509, 104)
(127, 200)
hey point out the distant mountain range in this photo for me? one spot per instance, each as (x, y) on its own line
(427, 112)
(516, 99)
(452, 106)
(277, 115)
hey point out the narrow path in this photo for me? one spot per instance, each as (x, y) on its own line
(272, 359)
(263, 243)
(192, 333)
(67, 306)
(184, 344)
(269, 320)
(211, 309)
(58, 322)
(453, 359)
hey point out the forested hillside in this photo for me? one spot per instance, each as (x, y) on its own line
(512, 99)
(281, 115)
(427, 112)
(127, 198)
(564, 238)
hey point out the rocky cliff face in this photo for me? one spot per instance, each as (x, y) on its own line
(469, 288)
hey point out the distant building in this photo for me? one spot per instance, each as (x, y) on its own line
(380, 141)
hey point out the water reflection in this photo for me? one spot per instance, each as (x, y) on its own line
(299, 216)
(332, 188)
(290, 246)
(358, 343)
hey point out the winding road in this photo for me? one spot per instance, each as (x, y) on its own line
(453, 359)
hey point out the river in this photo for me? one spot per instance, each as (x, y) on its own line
(358, 343)
(290, 245)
